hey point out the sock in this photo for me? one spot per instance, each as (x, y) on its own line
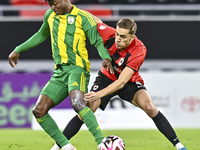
(51, 128)
(72, 128)
(165, 128)
(91, 122)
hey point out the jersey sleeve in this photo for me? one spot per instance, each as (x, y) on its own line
(38, 37)
(105, 31)
(136, 60)
(90, 28)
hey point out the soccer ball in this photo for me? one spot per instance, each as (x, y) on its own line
(112, 142)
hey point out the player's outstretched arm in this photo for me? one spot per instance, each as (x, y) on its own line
(124, 77)
(13, 58)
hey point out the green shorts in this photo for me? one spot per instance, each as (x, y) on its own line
(64, 79)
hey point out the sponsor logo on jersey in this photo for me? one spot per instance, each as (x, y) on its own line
(139, 84)
(98, 127)
(102, 27)
(74, 84)
(119, 70)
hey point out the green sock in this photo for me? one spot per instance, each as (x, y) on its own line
(91, 122)
(51, 128)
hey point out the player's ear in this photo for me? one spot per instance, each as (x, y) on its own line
(133, 36)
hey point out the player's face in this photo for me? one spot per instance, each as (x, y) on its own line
(122, 38)
(59, 6)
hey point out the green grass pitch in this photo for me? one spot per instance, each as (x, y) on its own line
(27, 139)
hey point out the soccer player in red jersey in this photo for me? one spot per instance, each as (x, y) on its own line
(127, 53)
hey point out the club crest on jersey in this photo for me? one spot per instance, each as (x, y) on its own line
(70, 20)
(95, 87)
(121, 61)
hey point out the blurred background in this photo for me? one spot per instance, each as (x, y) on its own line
(171, 70)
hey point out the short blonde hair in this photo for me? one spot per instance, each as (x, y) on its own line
(127, 23)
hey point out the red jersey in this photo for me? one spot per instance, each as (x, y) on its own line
(133, 56)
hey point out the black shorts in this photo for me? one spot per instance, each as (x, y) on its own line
(126, 93)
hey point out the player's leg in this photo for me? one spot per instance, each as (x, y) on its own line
(75, 124)
(136, 94)
(40, 112)
(86, 114)
(143, 100)
(52, 94)
(78, 81)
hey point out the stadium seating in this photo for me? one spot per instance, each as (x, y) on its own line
(100, 8)
(42, 2)
(28, 2)
(29, 13)
(32, 13)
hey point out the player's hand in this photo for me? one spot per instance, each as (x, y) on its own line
(108, 65)
(13, 59)
(91, 96)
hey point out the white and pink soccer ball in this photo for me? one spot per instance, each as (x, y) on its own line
(112, 142)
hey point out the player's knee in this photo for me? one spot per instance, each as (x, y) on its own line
(94, 105)
(77, 105)
(38, 113)
(151, 110)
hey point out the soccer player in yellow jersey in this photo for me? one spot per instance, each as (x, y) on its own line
(68, 28)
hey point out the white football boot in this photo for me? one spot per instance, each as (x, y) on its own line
(55, 147)
(99, 147)
(68, 147)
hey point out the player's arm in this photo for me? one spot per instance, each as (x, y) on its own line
(90, 28)
(124, 77)
(33, 41)
(36, 39)
(106, 63)
(95, 39)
